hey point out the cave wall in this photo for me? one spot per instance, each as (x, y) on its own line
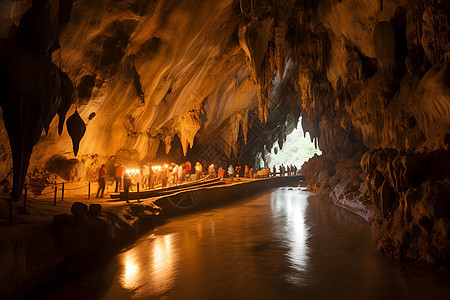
(223, 81)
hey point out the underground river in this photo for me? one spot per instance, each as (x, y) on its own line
(283, 244)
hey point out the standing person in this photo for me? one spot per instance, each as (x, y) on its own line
(288, 170)
(246, 171)
(118, 177)
(212, 171)
(126, 186)
(151, 177)
(198, 170)
(145, 176)
(220, 172)
(250, 173)
(164, 176)
(175, 174)
(274, 171)
(237, 171)
(188, 170)
(181, 172)
(101, 181)
(231, 172)
(281, 170)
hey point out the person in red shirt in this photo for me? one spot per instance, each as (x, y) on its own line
(221, 172)
(188, 170)
(119, 173)
(101, 181)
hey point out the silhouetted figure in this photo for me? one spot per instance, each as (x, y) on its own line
(246, 174)
(145, 176)
(126, 187)
(274, 171)
(164, 176)
(151, 177)
(101, 181)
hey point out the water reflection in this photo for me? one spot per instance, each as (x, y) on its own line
(151, 271)
(129, 279)
(289, 212)
(286, 244)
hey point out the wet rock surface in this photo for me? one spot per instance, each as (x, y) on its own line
(411, 192)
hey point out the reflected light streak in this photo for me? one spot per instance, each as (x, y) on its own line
(164, 264)
(290, 210)
(130, 274)
(297, 233)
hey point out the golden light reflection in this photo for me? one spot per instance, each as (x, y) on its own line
(290, 209)
(130, 274)
(150, 271)
(298, 233)
(213, 230)
(199, 230)
(164, 264)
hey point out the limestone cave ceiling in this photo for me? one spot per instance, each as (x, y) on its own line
(224, 77)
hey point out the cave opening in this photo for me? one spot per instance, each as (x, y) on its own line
(297, 149)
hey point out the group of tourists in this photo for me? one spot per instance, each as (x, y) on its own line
(174, 174)
(288, 170)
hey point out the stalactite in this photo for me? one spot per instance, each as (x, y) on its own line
(30, 86)
(280, 32)
(76, 129)
(189, 125)
(168, 143)
(153, 145)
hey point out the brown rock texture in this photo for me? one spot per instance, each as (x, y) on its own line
(223, 81)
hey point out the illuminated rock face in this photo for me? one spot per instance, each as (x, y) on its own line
(231, 78)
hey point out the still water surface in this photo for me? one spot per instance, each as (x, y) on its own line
(285, 244)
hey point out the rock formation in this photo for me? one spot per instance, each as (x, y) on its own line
(225, 80)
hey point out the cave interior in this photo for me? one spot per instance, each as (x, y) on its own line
(224, 81)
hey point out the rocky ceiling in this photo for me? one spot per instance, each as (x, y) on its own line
(370, 79)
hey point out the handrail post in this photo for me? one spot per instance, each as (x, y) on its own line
(54, 197)
(11, 213)
(89, 191)
(138, 195)
(25, 200)
(62, 192)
